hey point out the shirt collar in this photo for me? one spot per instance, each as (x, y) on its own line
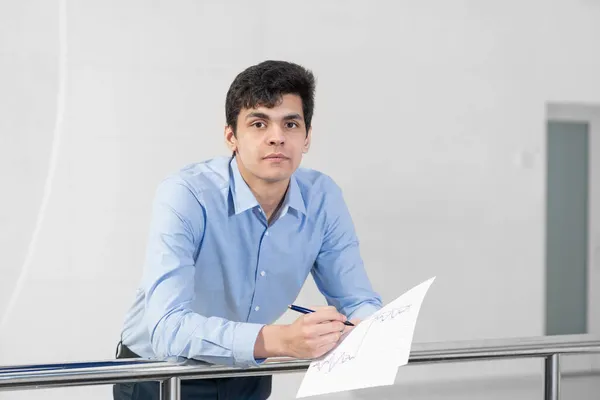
(293, 198)
(243, 198)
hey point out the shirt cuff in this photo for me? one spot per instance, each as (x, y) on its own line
(244, 339)
(365, 311)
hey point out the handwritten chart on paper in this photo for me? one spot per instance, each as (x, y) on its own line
(372, 352)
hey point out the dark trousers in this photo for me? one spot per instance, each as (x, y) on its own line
(239, 388)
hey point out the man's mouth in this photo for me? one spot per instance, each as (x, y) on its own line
(276, 157)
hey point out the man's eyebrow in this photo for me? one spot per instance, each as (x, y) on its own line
(293, 116)
(257, 114)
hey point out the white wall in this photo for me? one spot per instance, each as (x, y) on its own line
(440, 107)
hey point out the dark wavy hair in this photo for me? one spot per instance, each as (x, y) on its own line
(264, 85)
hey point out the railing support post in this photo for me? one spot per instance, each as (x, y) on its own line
(552, 377)
(170, 389)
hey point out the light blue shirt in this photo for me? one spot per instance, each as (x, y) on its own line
(216, 272)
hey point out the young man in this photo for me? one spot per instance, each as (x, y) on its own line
(233, 239)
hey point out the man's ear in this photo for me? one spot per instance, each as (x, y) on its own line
(230, 138)
(306, 146)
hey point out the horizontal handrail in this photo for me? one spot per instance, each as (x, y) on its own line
(113, 371)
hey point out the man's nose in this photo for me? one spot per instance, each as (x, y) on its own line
(276, 137)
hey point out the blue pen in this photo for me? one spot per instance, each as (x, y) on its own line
(308, 311)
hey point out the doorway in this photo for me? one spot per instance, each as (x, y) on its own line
(567, 194)
(573, 221)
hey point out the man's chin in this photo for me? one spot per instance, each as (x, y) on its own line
(274, 178)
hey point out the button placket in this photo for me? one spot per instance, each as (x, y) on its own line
(260, 282)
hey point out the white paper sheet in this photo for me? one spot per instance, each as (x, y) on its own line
(372, 352)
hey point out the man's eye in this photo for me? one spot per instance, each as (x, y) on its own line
(291, 125)
(258, 124)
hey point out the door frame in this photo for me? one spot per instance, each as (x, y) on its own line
(590, 114)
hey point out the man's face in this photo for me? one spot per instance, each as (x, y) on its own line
(270, 141)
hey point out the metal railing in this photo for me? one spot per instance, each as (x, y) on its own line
(170, 373)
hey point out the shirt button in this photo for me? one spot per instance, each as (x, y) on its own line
(267, 233)
(262, 273)
(256, 308)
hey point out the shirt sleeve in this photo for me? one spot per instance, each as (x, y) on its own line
(176, 231)
(339, 271)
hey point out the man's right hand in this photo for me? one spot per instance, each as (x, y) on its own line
(310, 336)
(314, 334)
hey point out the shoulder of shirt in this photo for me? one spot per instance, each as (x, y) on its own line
(204, 176)
(314, 182)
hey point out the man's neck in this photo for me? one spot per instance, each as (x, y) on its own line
(269, 195)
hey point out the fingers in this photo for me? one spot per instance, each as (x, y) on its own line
(318, 345)
(320, 331)
(325, 328)
(318, 351)
(330, 339)
(355, 321)
(325, 348)
(323, 314)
